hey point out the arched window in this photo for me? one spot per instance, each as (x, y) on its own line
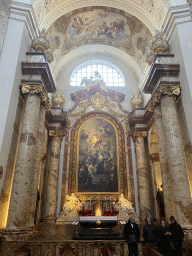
(110, 74)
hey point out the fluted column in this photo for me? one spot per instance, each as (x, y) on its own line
(24, 169)
(176, 158)
(40, 140)
(166, 181)
(142, 174)
(52, 179)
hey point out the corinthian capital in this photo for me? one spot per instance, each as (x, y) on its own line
(174, 90)
(139, 134)
(31, 88)
(56, 133)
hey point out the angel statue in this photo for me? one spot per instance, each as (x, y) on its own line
(72, 205)
(125, 208)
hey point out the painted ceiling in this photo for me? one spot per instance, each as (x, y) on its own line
(99, 26)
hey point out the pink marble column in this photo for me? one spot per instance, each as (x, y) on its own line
(166, 181)
(176, 160)
(142, 174)
(24, 169)
(40, 140)
(52, 179)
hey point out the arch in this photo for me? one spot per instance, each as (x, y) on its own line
(102, 52)
(129, 7)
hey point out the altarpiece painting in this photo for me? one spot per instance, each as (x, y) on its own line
(97, 157)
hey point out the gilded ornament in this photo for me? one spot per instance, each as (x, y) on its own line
(163, 90)
(58, 100)
(98, 100)
(136, 100)
(159, 44)
(56, 133)
(74, 147)
(139, 134)
(41, 43)
(31, 88)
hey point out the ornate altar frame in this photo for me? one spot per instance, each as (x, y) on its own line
(74, 155)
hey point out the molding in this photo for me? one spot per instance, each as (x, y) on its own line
(140, 122)
(160, 70)
(42, 69)
(24, 13)
(131, 8)
(176, 15)
(83, 53)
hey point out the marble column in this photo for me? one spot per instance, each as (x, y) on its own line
(23, 178)
(176, 159)
(166, 181)
(52, 179)
(142, 174)
(40, 140)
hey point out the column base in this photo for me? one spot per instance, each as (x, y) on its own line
(19, 234)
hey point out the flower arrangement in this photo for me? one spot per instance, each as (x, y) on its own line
(110, 213)
(86, 212)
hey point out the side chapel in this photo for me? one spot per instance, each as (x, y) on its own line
(95, 122)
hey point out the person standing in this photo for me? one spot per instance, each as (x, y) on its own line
(149, 232)
(163, 239)
(132, 236)
(176, 236)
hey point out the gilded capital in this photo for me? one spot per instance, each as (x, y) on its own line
(31, 88)
(161, 91)
(45, 100)
(56, 133)
(139, 134)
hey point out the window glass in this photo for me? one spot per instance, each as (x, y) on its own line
(110, 74)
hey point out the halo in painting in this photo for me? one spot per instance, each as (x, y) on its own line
(97, 157)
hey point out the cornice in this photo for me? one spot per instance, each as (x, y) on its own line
(85, 94)
(157, 71)
(24, 12)
(176, 15)
(141, 122)
(42, 69)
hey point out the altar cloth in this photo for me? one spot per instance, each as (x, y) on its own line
(96, 218)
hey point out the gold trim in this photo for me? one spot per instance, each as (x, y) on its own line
(75, 151)
(31, 88)
(163, 90)
(56, 133)
(36, 89)
(139, 134)
(98, 102)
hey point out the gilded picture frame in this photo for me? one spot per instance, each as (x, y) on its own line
(76, 164)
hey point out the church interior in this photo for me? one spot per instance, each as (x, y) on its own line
(95, 123)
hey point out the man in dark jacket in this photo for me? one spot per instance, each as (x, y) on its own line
(177, 236)
(149, 232)
(132, 236)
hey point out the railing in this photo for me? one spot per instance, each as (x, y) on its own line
(67, 248)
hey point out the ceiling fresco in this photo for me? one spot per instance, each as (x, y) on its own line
(106, 26)
(98, 24)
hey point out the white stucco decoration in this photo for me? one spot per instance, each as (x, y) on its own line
(134, 9)
(106, 52)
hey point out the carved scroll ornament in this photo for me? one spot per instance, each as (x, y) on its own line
(163, 90)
